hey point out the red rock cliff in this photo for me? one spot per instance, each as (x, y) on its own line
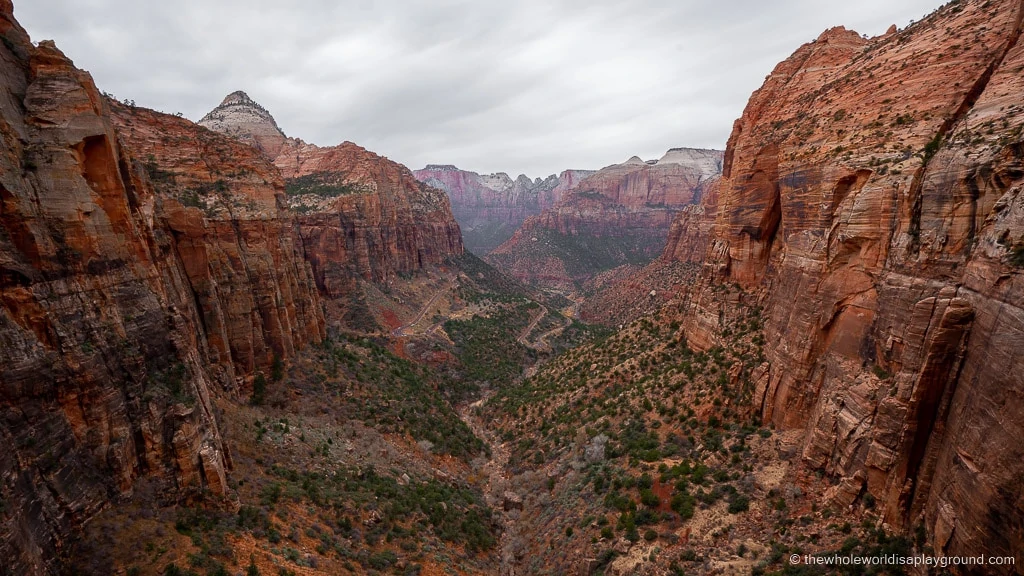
(380, 222)
(224, 206)
(871, 200)
(619, 215)
(360, 215)
(103, 374)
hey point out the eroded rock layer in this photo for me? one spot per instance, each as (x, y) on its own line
(360, 215)
(103, 374)
(490, 207)
(871, 202)
(619, 215)
(224, 206)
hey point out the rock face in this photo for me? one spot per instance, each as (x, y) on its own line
(239, 116)
(365, 216)
(224, 206)
(871, 200)
(691, 228)
(103, 375)
(489, 208)
(618, 215)
(360, 215)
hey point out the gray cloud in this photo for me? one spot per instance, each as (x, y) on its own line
(530, 86)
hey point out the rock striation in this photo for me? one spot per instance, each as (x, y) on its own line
(871, 201)
(149, 266)
(360, 215)
(490, 207)
(103, 359)
(225, 208)
(619, 215)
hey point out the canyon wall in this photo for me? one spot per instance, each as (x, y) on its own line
(224, 207)
(149, 265)
(619, 215)
(489, 208)
(103, 375)
(871, 200)
(359, 214)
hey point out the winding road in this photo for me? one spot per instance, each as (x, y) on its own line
(403, 330)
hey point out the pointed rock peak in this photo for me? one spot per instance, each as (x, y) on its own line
(840, 36)
(892, 30)
(241, 117)
(237, 97)
(634, 160)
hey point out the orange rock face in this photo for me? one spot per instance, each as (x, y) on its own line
(103, 374)
(360, 215)
(871, 201)
(224, 206)
(691, 228)
(381, 222)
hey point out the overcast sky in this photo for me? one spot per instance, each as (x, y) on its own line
(517, 86)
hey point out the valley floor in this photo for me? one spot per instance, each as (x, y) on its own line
(468, 425)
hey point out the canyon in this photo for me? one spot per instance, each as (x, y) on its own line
(870, 202)
(619, 215)
(243, 352)
(491, 207)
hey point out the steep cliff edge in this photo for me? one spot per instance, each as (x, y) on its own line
(103, 374)
(871, 201)
(224, 206)
(490, 207)
(360, 215)
(619, 215)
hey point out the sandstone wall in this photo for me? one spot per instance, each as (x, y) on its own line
(102, 372)
(491, 207)
(621, 214)
(388, 224)
(224, 208)
(871, 201)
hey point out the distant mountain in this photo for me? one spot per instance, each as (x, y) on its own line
(490, 207)
(618, 215)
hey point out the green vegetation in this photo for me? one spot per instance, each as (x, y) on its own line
(323, 184)
(1017, 256)
(585, 254)
(395, 395)
(487, 282)
(155, 173)
(361, 516)
(931, 148)
(878, 543)
(676, 422)
(400, 512)
(487, 347)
